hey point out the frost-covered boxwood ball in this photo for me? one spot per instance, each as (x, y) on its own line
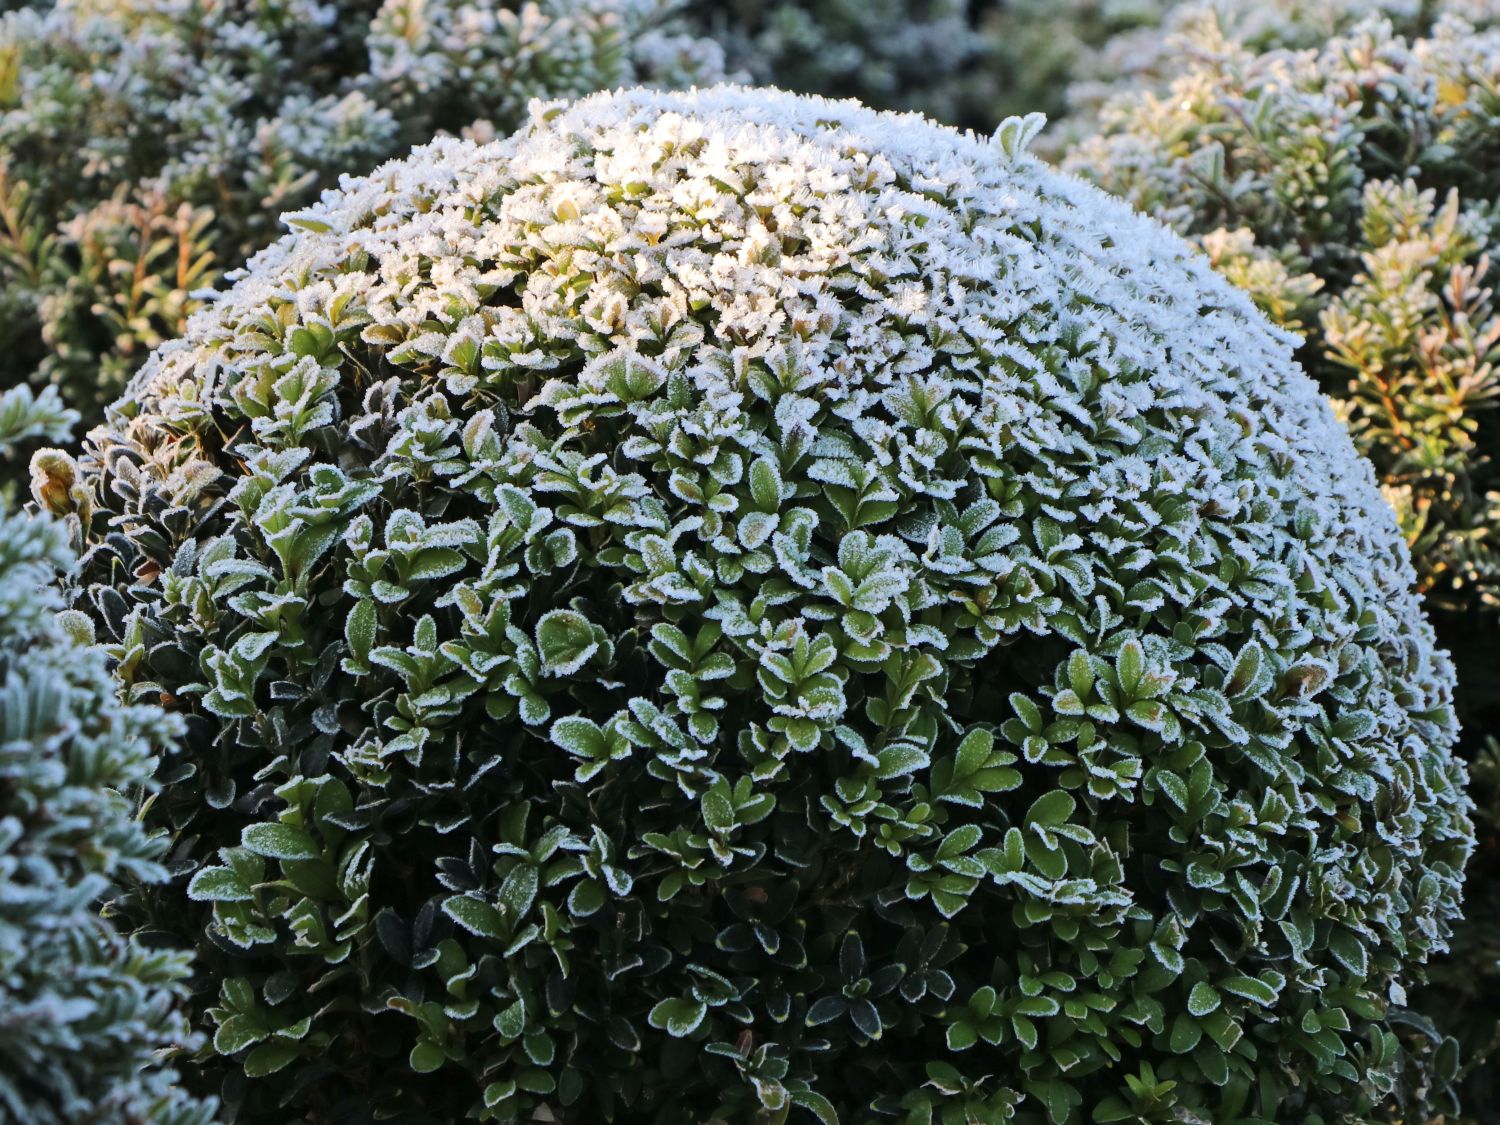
(737, 608)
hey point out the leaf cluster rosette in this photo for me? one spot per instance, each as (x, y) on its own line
(731, 605)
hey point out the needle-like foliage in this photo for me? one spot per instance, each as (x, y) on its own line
(84, 1011)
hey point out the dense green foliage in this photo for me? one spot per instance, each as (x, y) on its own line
(82, 1009)
(890, 54)
(732, 605)
(972, 63)
(1352, 192)
(146, 146)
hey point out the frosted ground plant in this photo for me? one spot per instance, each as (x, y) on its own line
(730, 604)
(1351, 192)
(83, 1010)
(147, 145)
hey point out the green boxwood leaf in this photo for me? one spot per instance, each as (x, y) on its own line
(1051, 809)
(1251, 989)
(477, 916)
(961, 1036)
(279, 841)
(238, 1032)
(1186, 1034)
(1203, 999)
(1130, 666)
(1350, 951)
(678, 1017)
(359, 633)
(218, 884)
(426, 1057)
(518, 891)
(565, 640)
(268, 1058)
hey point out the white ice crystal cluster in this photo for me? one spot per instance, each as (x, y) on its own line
(958, 252)
(912, 442)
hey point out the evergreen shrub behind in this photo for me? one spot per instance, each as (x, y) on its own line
(890, 54)
(85, 1012)
(731, 605)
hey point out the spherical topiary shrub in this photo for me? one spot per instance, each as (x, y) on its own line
(724, 606)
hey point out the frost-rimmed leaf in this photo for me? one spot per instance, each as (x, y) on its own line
(279, 841)
(566, 641)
